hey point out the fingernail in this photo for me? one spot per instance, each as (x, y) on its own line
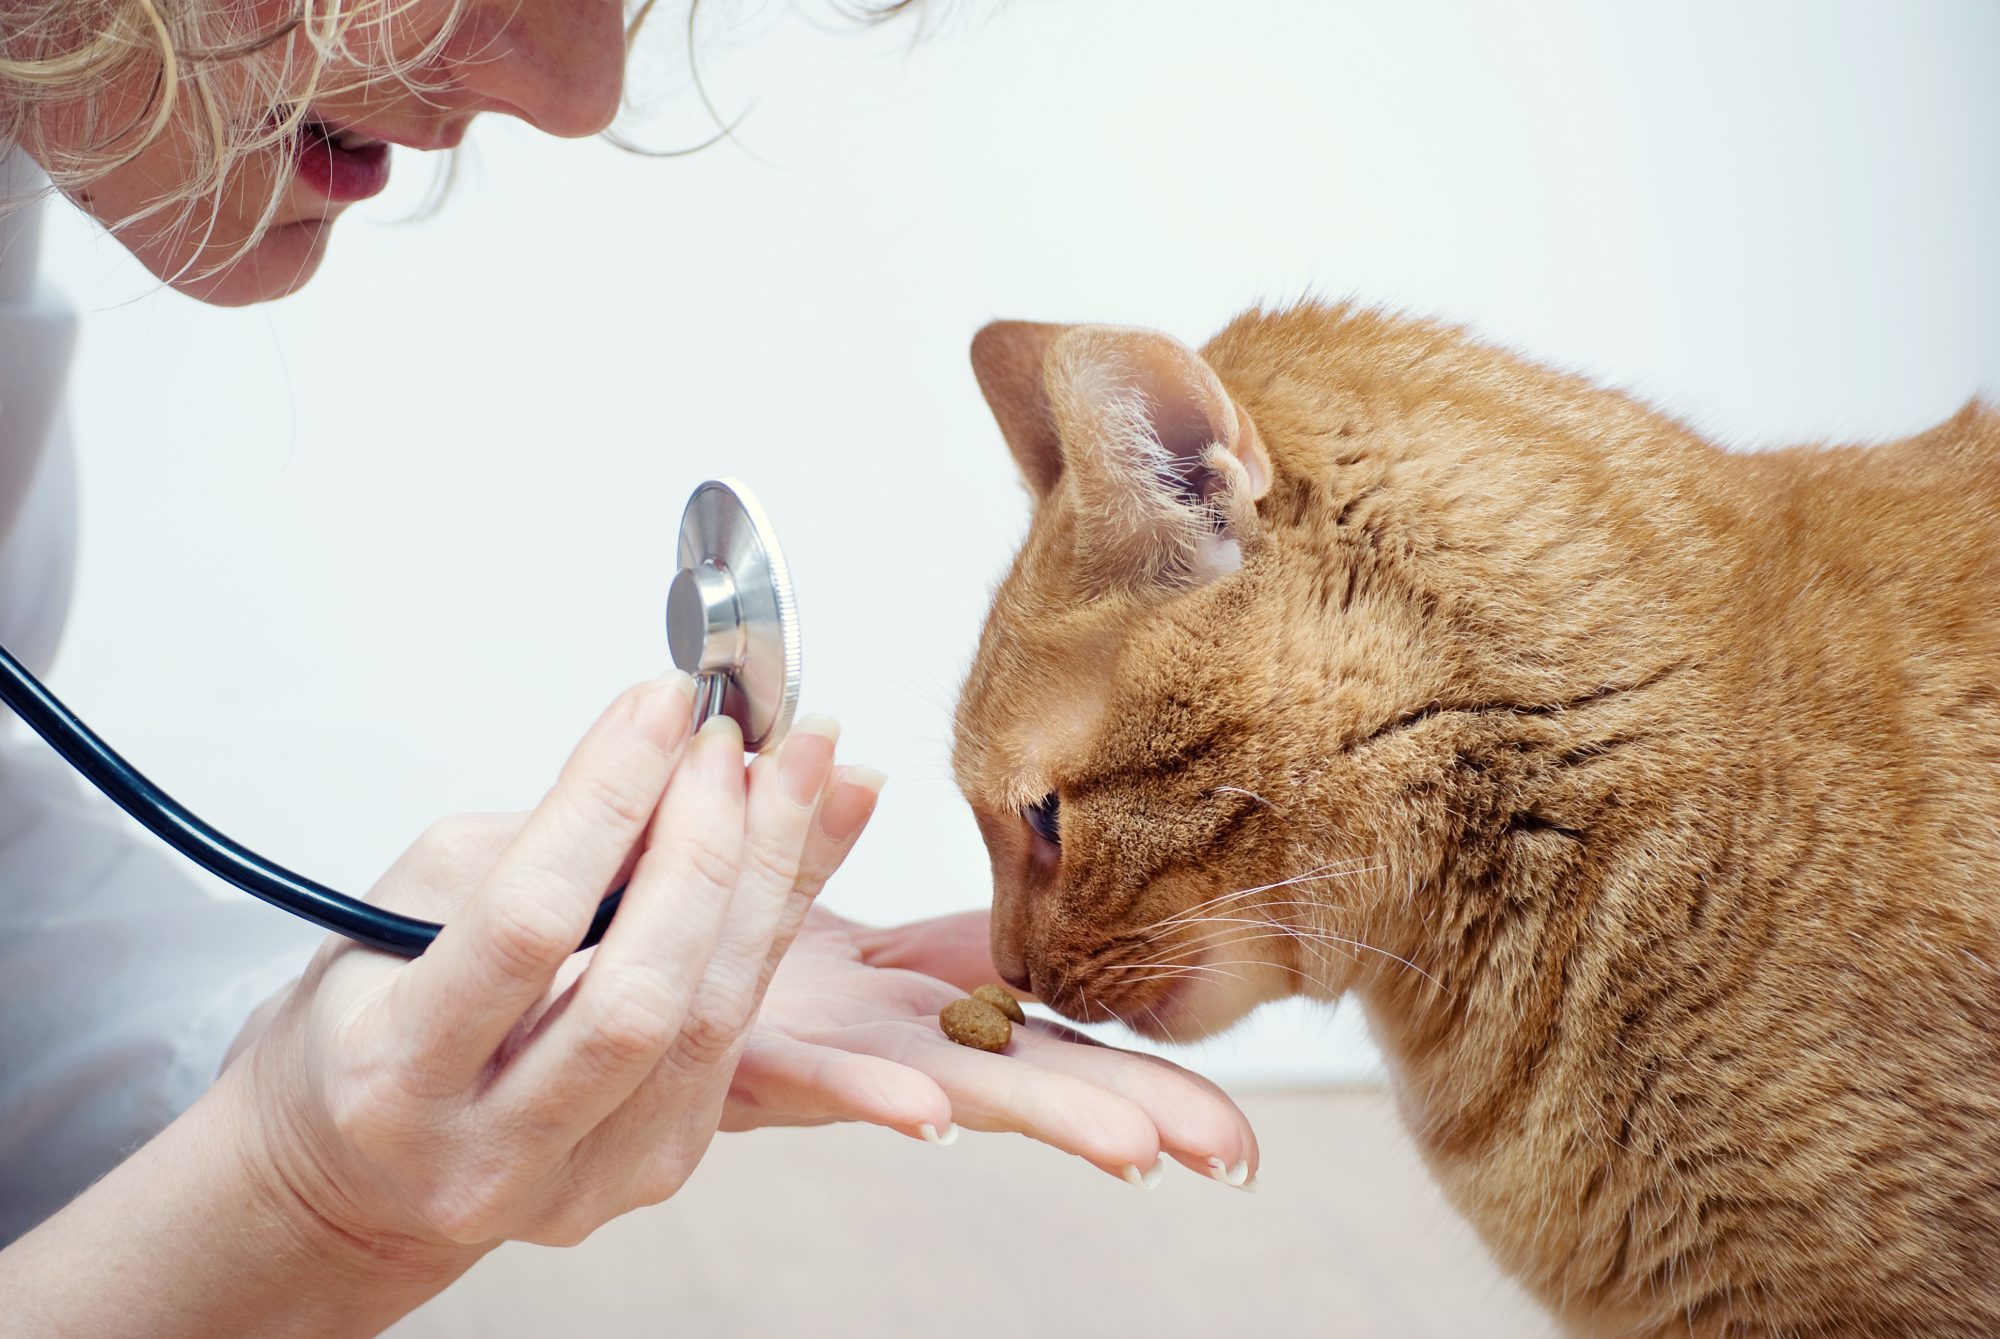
(1249, 1185)
(665, 712)
(1145, 1180)
(1239, 1174)
(806, 756)
(931, 1135)
(719, 724)
(1218, 1170)
(847, 806)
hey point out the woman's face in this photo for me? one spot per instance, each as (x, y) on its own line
(556, 64)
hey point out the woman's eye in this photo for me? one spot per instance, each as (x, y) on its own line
(1046, 819)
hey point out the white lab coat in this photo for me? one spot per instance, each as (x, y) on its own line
(124, 972)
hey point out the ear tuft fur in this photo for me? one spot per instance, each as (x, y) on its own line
(1165, 466)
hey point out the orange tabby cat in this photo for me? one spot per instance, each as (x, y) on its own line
(1648, 796)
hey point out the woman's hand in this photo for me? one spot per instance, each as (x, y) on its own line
(849, 1031)
(396, 1119)
(504, 1086)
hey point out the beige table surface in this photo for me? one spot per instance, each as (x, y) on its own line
(851, 1231)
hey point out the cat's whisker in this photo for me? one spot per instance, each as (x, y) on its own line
(1233, 893)
(1309, 937)
(1225, 922)
(1183, 970)
(1169, 970)
(1314, 875)
(1262, 930)
(1113, 1010)
(1229, 929)
(1272, 922)
(1231, 938)
(1310, 905)
(932, 696)
(1241, 962)
(1247, 794)
(1189, 916)
(1326, 937)
(1315, 872)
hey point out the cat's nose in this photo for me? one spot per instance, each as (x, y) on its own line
(1010, 957)
(1009, 946)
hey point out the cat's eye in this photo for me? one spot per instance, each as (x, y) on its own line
(1045, 819)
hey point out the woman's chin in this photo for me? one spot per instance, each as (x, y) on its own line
(281, 263)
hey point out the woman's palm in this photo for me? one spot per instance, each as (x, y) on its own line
(849, 1031)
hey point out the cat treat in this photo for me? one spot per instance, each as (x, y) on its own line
(1002, 1001)
(975, 1023)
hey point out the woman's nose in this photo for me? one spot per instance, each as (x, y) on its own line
(559, 65)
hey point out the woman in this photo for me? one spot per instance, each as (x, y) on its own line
(395, 1120)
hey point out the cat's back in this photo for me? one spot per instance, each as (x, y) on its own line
(1854, 655)
(1921, 514)
(1874, 571)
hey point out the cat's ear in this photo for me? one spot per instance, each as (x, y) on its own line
(1166, 467)
(1008, 358)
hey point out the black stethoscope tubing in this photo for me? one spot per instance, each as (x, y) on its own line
(166, 818)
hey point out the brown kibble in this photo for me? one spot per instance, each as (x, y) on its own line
(1002, 1001)
(977, 1024)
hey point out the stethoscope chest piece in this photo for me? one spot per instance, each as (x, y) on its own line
(731, 621)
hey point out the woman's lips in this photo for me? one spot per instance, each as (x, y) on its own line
(341, 165)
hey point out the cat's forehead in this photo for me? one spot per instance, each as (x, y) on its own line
(1064, 689)
(1059, 654)
(1036, 698)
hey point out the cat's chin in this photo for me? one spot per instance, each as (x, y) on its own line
(1182, 1026)
(1193, 1008)
(1176, 1029)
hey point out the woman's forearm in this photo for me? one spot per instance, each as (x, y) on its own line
(200, 1233)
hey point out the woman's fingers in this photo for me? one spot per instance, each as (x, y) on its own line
(496, 958)
(784, 793)
(635, 1000)
(844, 811)
(1001, 1092)
(1199, 1127)
(784, 1081)
(845, 806)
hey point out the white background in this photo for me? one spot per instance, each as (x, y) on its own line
(382, 551)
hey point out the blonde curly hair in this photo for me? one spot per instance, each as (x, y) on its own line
(244, 72)
(245, 90)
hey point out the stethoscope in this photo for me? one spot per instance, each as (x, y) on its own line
(731, 623)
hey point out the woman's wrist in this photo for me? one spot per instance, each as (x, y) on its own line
(208, 1229)
(347, 1276)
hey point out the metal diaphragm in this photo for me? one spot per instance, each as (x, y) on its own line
(731, 620)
